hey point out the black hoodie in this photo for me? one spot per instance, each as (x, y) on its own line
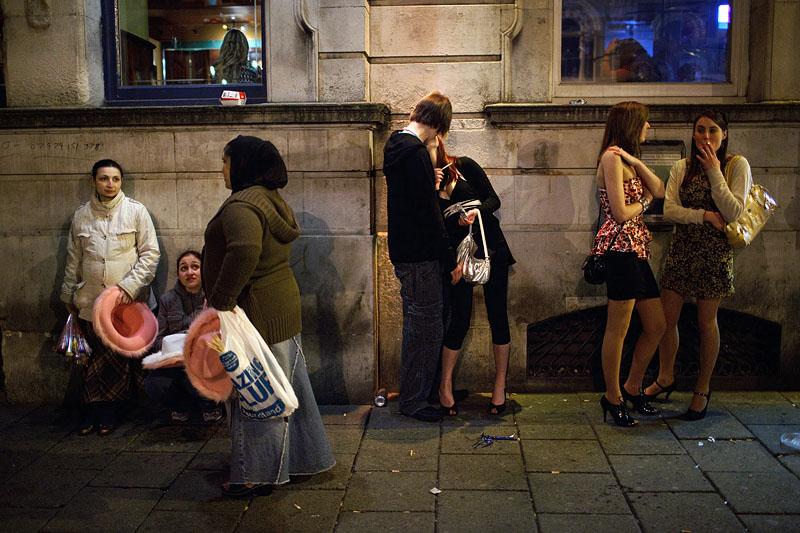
(416, 228)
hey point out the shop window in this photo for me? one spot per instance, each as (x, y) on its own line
(638, 42)
(183, 51)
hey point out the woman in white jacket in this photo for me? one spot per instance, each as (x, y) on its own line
(704, 193)
(112, 241)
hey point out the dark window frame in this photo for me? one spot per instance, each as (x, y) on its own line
(117, 94)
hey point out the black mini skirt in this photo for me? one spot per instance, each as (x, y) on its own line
(629, 278)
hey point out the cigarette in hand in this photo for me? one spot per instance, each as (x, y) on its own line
(447, 165)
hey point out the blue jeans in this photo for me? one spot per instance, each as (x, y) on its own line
(421, 292)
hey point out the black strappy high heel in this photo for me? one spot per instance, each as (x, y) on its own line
(691, 415)
(619, 413)
(451, 410)
(669, 389)
(496, 410)
(639, 402)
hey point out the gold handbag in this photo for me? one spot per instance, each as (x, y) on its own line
(758, 208)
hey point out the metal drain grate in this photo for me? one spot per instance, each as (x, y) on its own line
(568, 346)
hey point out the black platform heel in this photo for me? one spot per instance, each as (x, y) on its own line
(691, 415)
(669, 389)
(639, 402)
(619, 413)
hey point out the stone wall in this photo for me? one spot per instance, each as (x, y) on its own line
(542, 161)
(53, 52)
(175, 171)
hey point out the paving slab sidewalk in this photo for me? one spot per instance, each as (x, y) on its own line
(568, 471)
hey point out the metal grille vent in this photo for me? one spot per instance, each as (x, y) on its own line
(568, 346)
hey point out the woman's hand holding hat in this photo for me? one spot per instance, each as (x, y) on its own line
(124, 297)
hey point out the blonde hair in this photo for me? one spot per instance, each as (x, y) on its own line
(232, 55)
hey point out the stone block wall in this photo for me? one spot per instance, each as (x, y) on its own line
(543, 172)
(540, 158)
(455, 49)
(70, 72)
(176, 172)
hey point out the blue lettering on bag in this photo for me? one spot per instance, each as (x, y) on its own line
(260, 390)
(244, 379)
(276, 409)
(229, 360)
(254, 388)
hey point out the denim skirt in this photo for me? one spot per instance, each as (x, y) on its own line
(269, 451)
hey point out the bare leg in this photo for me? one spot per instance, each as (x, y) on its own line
(449, 359)
(501, 352)
(672, 303)
(709, 349)
(652, 315)
(619, 318)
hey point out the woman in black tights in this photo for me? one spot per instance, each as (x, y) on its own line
(459, 179)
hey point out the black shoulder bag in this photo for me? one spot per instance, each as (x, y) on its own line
(594, 266)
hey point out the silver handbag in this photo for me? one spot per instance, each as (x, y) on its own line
(475, 270)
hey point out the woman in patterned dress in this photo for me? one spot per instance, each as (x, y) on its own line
(626, 188)
(704, 193)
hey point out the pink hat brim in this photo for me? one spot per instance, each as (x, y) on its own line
(201, 362)
(128, 329)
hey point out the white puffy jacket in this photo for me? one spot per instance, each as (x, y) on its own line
(109, 244)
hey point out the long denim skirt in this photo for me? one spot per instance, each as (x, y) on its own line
(269, 451)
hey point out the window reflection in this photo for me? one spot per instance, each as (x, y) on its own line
(621, 41)
(187, 42)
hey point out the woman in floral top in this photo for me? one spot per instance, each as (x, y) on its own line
(626, 187)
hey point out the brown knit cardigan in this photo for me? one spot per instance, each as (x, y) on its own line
(246, 261)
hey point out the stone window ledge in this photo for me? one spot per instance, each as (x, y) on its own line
(515, 115)
(375, 116)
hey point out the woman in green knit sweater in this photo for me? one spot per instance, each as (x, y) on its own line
(246, 263)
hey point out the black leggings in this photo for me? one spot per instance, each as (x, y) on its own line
(459, 308)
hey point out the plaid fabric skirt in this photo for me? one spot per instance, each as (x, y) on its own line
(108, 376)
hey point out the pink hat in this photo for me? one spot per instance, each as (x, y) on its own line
(128, 329)
(202, 362)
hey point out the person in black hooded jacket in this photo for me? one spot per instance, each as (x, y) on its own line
(419, 249)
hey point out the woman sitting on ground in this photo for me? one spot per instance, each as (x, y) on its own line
(169, 387)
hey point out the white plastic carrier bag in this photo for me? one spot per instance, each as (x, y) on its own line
(264, 391)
